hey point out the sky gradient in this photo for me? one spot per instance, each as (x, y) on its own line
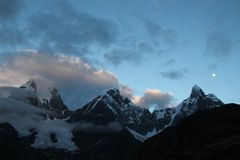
(154, 51)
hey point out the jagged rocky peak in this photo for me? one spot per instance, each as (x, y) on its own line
(214, 98)
(44, 90)
(117, 97)
(113, 107)
(45, 96)
(113, 92)
(197, 91)
(31, 84)
(197, 101)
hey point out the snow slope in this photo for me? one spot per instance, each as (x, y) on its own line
(25, 118)
(16, 93)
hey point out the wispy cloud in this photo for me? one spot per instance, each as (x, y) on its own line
(219, 45)
(175, 74)
(222, 38)
(156, 31)
(157, 41)
(10, 9)
(170, 62)
(118, 56)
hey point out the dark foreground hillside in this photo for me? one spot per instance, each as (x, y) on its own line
(206, 135)
(117, 146)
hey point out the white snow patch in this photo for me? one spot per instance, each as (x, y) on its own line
(25, 117)
(141, 137)
(160, 114)
(110, 107)
(43, 89)
(213, 97)
(88, 110)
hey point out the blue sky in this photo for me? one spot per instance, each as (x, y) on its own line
(166, 45)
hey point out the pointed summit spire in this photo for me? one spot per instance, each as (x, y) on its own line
(113, 92)
(197, 91)
(30, 84)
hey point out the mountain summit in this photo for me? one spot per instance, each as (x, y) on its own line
(113, 107)
(197, 101)
(196, 91)
(46, 97)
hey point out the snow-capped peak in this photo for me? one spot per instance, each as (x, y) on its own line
(213, 97)
(30, 85)
(196, 91)
(113, 107)
(45, 96)
(43, 89)
(114, 91)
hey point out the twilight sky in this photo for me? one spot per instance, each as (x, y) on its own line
(154, 51)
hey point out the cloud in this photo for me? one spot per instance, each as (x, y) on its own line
(212, 67)
(66, 30)
(170, 62)
(133, 49)
(10, 9)
(219, 44)
(175, 74)
(118, 56)
(222, 38)
(62, 28)
(154, 98)
(56, 29)
(77, 80)
(166, 36)
(11, 36)
(126, 91)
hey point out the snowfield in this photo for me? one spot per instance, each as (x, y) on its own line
(25, 117)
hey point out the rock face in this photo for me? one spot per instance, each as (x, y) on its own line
(104, 127)
(206, 135)
(112, 107)
(108, 127)
(197, 101)
(47, 98)
(13, 148)
(105, 145)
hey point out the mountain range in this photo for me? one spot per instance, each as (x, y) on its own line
(110, 126)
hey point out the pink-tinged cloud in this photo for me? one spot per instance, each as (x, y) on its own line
(154, 98)
(76, 79)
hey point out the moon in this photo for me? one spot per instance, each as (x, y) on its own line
(213, 75)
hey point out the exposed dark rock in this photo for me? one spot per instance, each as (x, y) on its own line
(53, 138)
(113, 107)
(106, 145)
(213, 134)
